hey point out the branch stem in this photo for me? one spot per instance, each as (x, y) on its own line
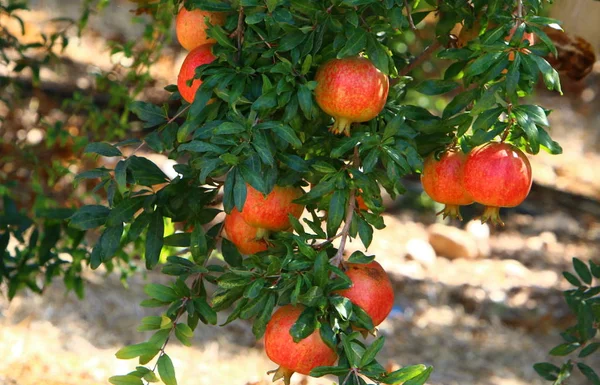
(411, 22)
(420, 59)
(351, 205)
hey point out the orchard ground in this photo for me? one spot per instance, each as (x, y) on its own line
(477, 321)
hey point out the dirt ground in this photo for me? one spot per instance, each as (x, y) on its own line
(484, 320)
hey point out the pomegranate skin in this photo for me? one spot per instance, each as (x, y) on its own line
(197, 57)
(497, 175)
(247, 239)
(271, 212)
(300, 357)
(351, 90)
(190, 27)
(371, 290)
(442, 181)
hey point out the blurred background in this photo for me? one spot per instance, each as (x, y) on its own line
(480, 304)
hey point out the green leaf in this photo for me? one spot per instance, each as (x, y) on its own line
(546, 370)
(291, 41)
(564, 349)
(535, 113)
(231, 254)
(333, 370)
(151, 114)
(337, 210)
(124, 211)
(260, 323)
(549, 74)
(200, 147)
(305, 325)
(102, 148)
(145, 172)
(207, 312)
(89, 217)
(125, 380)
(591, 348)
(487, 119)
(421, 378)
(573, 280)
(287, 134)
(154, 239)
(371, 352)
(404, 374)
(582, 270)
(199, 244)
(360, 257)
(436, 87)
(166, 370)
(589, 373)
(482, 64)
(355, 43)
(136, 350)
(320, 269)
(160, 292)
(365, 231)
(342, 305)
(460, 102)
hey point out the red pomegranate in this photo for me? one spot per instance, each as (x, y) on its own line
(442, 181)
(371, 290)
(197, 57)
(191, 27)
(271, 212)
(247, 239)
(351, 90)
(497, 175)
(292, 357)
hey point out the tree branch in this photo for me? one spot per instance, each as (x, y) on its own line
(339, 255)
(409, 14)
(421, 58)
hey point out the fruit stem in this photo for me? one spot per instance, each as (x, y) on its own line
(491, 214)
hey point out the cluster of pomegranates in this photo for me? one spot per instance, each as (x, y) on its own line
(495, 174)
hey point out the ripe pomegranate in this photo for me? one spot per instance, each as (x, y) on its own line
(497, 175)
(371, 290)
(442, 181)
(191, 26)
(197, 57)
(271, 212)
(351, 90)
(292, 357)
(247, 239)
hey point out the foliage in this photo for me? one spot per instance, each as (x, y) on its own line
(584, 302)
(254, 121)
(40, 228)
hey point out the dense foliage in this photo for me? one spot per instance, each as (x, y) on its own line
(254, 121)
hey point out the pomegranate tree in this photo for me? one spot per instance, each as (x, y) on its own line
(442, 180)
(294, 191)
(497, 175)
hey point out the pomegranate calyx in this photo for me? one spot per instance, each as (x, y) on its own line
(280, 373)
(491, 214)
(341, 126)
(452, 211)
(262, 233)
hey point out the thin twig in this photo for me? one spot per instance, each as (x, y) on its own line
(520, 9)
(326, 242)
(240, 34)
(411, 22)
(421, 58)
(339, 255)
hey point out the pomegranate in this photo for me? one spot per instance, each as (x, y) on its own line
(197, 57)
(351, 90)
(497, 175)
(247, 239)
(191, 26)
(271, 212)
(371, 290)
(442, 181)
(302, 356)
